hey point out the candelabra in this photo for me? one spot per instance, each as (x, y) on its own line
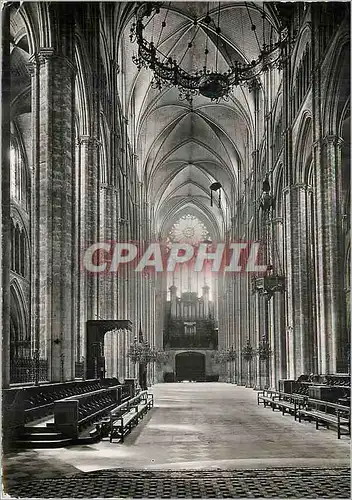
(248, 354)
(143, 354)
(263, 350)
(224, 356)
(248, 351)
(264, 353)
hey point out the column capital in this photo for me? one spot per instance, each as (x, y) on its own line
(41, 56)
(298, 186)
(108, 187)
(277, 220)
(48, 53)
(329, 140)
(122, 221)
(116, 66)
(89, 140)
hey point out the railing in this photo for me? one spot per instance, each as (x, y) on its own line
(79, 369)
(25, 369)
(331, 388)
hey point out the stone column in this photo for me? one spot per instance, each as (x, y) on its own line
(108, 341)
(205, 289)
(331, 304)
(53, 210)
(278, 320)
(290, 337)
(119, 356)
(115, 357)
(258, 322)
(5, 249)
(89, 223)
(173, 298)
(299, 308)
(238, 334)
(114, 238)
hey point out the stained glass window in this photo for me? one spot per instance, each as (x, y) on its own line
(188, 229)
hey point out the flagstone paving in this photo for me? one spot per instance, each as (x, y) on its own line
(216, 440)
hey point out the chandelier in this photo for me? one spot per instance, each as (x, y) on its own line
(211, 83)
(271, 282)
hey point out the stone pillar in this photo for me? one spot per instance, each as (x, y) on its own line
(53, 210)
(127, 359)
(299, 309)
(108, 341)
(277, 311)
(238, 333)
(5, 249)
(115, 356)
(331, 304)
(119, 356)
(173, 299)
(256, 363)
(88, 231)
(205, 289)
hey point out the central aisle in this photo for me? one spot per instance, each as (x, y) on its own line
(211, 425)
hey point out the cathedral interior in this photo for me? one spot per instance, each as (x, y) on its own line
(133, 133)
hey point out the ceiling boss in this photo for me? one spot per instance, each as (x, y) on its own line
(222, 66)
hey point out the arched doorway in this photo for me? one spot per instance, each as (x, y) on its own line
(190, 366)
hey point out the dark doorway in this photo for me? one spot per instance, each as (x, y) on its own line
(190, 366)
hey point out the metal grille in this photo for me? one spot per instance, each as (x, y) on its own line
(265, 483)
(79, 369)
(26, 369)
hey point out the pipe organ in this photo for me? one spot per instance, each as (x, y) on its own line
(189, 306)
(190, 321)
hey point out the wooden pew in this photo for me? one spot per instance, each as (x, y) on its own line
(278, 400)
(72, 414)
(290, 403)
(267, 397)
(127, 415)
(326, 413)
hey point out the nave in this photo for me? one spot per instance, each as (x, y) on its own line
(175, 191)
(215, 430)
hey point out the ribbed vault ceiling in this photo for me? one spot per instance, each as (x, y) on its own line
(183, 147)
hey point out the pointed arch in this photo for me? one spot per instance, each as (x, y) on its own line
(19, 322)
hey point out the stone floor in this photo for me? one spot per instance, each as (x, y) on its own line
(215, 432)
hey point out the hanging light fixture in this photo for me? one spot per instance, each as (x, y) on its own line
(272, 281)
(211, 83)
